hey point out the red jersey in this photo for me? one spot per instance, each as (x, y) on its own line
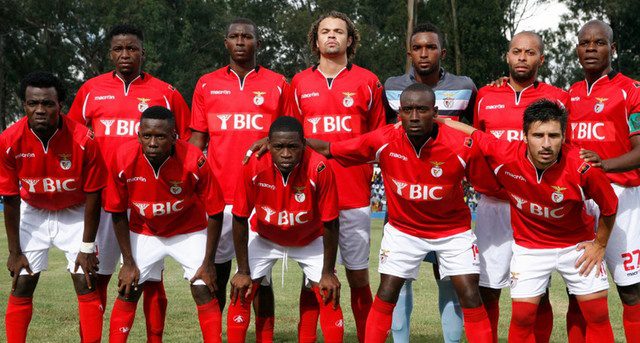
(346, 107)
(603, 118)
(113, 110)
(547, 208)
(235, 113)
(288, 212)
(174, 201)
(55, 177)
(424, 187)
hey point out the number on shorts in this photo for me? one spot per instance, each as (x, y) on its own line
(628, 260)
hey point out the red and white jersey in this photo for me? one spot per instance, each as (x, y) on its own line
(113, 110)
(424, 187)
(235, 113)
(55, 177)
(346, 107)
(288, 212)
(604, 117)
(547, 208)
(174, 201)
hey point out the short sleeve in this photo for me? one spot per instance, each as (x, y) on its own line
(208, 188)
(198, 110)
(95, 172)
(377, 115)
(76, 112)
(116, 197)
(597, 186)
(496, 151)
(359, 150)
(9, 184)
(182, 113)
(327, 192)
(244, 199)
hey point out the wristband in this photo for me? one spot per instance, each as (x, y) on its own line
(88, 247)
(243, 272)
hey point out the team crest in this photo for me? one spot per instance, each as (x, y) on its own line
(299, 196)
(584, 167)
(258, 99)
(384, 253)
(448, 99)
(557, 196)
(514, 279)
(321, 166)
(142, 105)
(65, 162)
(599, 106)
(436, 170)
(347, 101)
(175, 188)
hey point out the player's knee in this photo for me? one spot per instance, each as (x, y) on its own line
(80, 284)
(201, 294)
(523, 314)
(357, 278)
(629, 295)
(469, 297)
(133, 296)
(26, 285)
(489, 295)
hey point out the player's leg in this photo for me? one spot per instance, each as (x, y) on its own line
(491, 300)
(380, 316)
(264, 308)
(123, 314)
(224, 255)
(309, 313)
(154, 304)
(596, 315)
(90, 309)
(544, 320)
(576, 325)
(402, 314)
(630, 297)
(20, 307)
(449, 307)
(108, 254)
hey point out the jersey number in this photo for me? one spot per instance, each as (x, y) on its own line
(628, 260)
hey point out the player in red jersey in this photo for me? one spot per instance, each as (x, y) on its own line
(499, 111)
(605, 119)
(290, 195)
(169, 189)
(337, 100)
(547, 183)
(54, 166)
(233, 107)
(111, 104)
(427, 211)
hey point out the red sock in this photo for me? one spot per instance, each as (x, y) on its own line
(154, 302)
(264, 329)
(102, 285)
(210, 320)
(477, 325)
(309, 313)
(544, 321)
(523, 319)
(631, 322)
(331, 320)
(122, 316)
(493, 312)
(90, 311)
(361, 300)
(239, 316)
(596, 313)
(379, 321)
(576, 325)
(17, 318)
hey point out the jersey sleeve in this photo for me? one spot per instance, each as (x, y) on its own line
(597, 186)
(283, 101)
(9, 184)
(182, 113)
(468, 114)
(479, 173)
(198, 110)
(633, 104)
(358, 150)
(116, 197)
(327, 192)
(95, 172)
(243, 202)
(496, 151)
(207, 187)
(476, 111)
(377, 115)
(76, 112)
(293, 108)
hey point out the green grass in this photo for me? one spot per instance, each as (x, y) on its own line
(55, 309)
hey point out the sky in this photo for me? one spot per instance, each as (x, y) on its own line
(544, 17)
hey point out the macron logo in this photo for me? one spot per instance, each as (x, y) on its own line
(495, 107)
(104, 97)
(137, 179)
(26, 155)
(515, 176)
(220, 92)
(396, 155)
(575, 98)
(266, 185)
(309, 95)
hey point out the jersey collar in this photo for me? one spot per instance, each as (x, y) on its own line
(412, 74)
(315, 66)
(432, 137)
(256, 69)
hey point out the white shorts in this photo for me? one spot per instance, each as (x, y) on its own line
(354, 240)
(531, 269)
(401, 254)
(226, 251)
(495, 237)
(42, 229)
(623, 249)
(264, 253)
(187, 249)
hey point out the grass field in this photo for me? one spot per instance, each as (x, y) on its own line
(55, 309)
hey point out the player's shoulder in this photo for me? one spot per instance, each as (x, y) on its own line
(270, 74)
(626, 82)
(492, 90)
(314, 163)
(14, 132)
(80, 133)
(454, 139)
(127, 154)
(574, 163)
(578, 86)
(215, 74)
(98, 80)
(158, 84)
(459, 81)
(303, 74)
(365, 75)
(399, 82)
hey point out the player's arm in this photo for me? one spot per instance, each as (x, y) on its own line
(241, 281)
(207, 271)
(329, 283)
(199, 139)
(321, 147)
(129, 273)
(619, 164)
(87, 258)
(16, 261)
(462, 127)
(594, 250)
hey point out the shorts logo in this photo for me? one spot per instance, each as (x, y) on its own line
(436, 170)
(175, 188)
(347, 101)
(142, 106)
(238, 319)
(299, 196)
(514, 279)
(65, 162)
(258, 99)
(557, 196)
(599, 106)
(384, 253)
(448, 99)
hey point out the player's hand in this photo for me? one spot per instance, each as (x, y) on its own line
(592, 257)
(15, 264)
(128, 278)
(206, 273)
(258, 148)
(498, 82)
(330, 289)
(240, 284)
(591, 157)
(89, 265)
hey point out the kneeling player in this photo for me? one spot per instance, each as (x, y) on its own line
(293, 192)
(169, 189)
(53, 165)
(547, 183)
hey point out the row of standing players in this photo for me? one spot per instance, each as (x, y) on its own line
(336, 100)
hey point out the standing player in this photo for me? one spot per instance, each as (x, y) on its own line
(337, 100)
(111, 105)
(53, 165)
(499, 111)
(169, 189)
(605, 119)
(455, 96)
(547, 183)
(233, 107)
(290, 195)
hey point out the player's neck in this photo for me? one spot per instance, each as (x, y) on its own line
(128, 78)
(418, 142)
(330, 66)
(520, 85)
(593, 77)
(242, 69)
(430, 79)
